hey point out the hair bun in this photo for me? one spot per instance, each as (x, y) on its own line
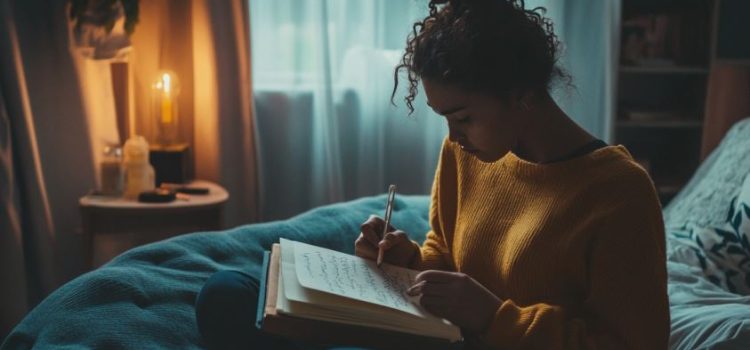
(495, 46)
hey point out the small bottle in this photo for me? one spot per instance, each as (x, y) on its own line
(139, 174)
(110, 171)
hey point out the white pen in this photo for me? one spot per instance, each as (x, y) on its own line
(388, 210)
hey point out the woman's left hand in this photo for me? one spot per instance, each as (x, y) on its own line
(456, 297)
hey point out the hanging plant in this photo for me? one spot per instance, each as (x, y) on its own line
(104, 13)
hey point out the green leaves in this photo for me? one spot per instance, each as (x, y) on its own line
(728, 236)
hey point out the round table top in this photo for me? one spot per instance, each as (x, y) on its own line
(216, 195)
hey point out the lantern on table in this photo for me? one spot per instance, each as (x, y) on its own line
(165, 108)
(169, 155)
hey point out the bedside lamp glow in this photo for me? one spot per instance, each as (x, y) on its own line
(164, 96)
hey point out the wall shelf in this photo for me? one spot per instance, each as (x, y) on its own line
(661, 85)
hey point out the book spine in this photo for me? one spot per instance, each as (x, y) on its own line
(262, 291)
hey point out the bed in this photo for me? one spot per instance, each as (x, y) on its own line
(144, 297)
(705, 316)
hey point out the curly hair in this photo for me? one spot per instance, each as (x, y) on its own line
(492, 46)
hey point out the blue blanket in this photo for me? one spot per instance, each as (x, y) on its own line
(143, 299)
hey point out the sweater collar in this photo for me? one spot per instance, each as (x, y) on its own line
(522, 167)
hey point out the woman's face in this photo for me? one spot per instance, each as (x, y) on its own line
(484, 125)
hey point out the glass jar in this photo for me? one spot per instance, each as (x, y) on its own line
(110, 171)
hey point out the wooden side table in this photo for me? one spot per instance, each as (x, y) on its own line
(112, 225)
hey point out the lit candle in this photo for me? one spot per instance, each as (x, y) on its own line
(165, 109)
(166, 99)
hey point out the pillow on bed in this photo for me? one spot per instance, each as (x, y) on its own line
(723, 253)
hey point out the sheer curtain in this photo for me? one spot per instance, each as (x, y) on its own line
(323, 74)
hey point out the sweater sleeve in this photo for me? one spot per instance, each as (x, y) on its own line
(626, 304)
(434, 254)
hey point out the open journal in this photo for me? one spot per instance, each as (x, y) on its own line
(318, 294)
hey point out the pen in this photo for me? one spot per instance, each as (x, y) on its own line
(388, 210)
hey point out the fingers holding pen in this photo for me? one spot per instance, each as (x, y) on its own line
(392, 239)
(396, 247)
(372, 229)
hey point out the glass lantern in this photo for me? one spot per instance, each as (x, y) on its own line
(164, 93)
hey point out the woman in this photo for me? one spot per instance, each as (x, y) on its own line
(542, 237)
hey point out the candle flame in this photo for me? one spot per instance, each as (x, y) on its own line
(166, 80)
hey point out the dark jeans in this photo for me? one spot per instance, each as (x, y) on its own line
(225, 310)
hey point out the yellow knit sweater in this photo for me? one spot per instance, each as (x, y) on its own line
(574, 249)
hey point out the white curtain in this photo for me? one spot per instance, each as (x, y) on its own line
(323, 75)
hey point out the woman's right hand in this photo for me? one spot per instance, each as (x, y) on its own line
(398, 249)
